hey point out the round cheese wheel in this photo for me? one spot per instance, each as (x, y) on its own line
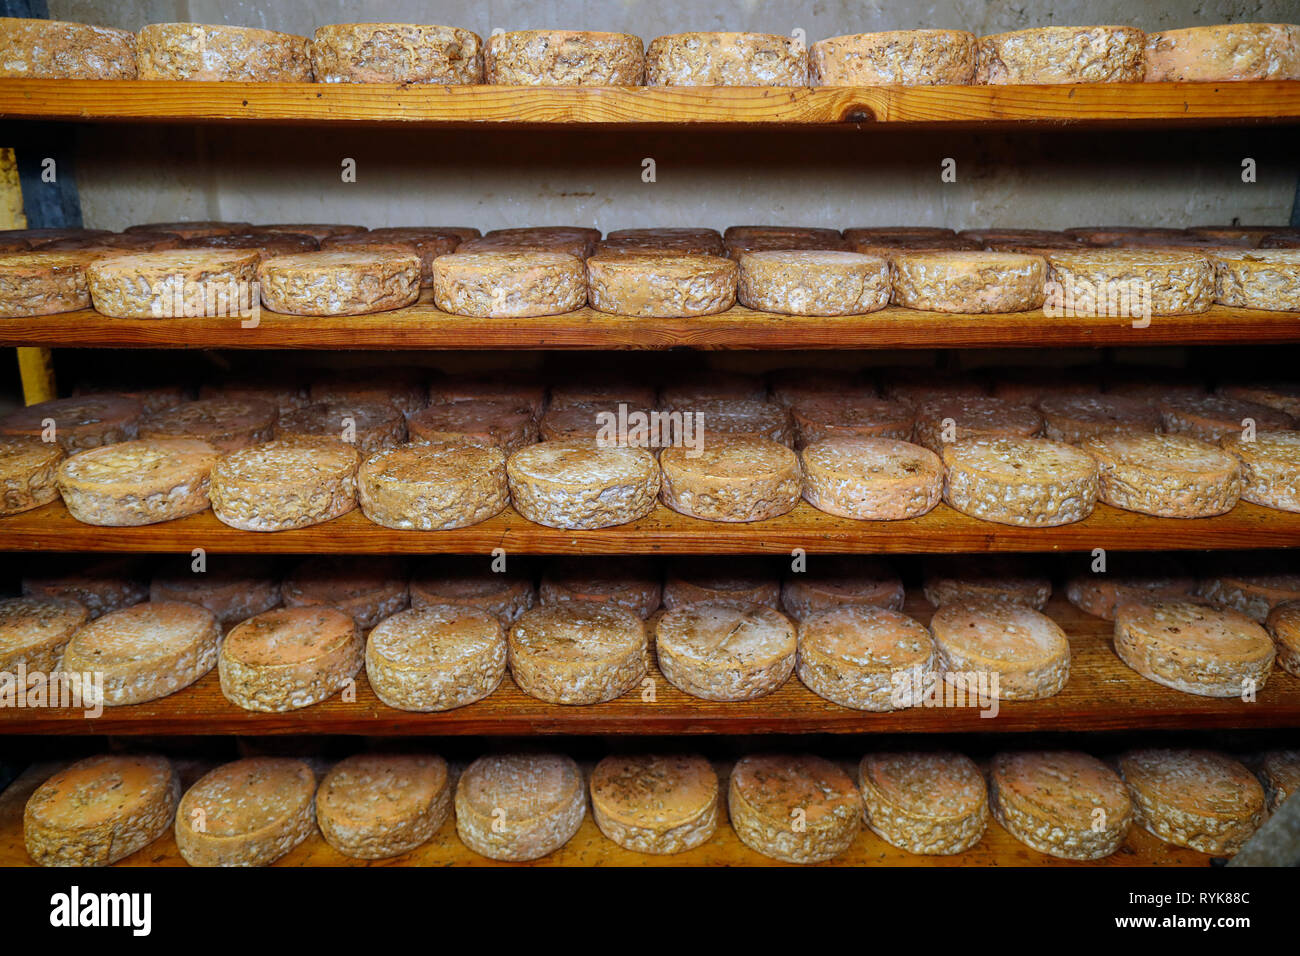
(433, 486)
(1020, 481)
(289, 658)
(1171, 476)
(436, 657)
(376, 806)
(396, 53)
(935, 804)
(28, 473)
(871, 479)
(1062, 803)
(731, 479)
(284, 484)
(798, 809)
(1020, 653)
(725, 651)
(247, 813)
(225, 424)
(34, 632)
(866, 658)
(577, 652)
(578, 485)
(564, 58)
(519, 806)
(655, 804)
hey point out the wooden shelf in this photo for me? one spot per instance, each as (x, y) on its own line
(1102, 104)
(589, 847)
(423, 326)
(1101, 694)
(51, 528)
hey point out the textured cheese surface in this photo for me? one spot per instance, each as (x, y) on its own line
(145, 651)
(665, 286)
(436, 657)
(339, 283)
(1213, 418)
(1270, 468)
(1020, 481)
(367, 588)
(44, 283)
(1002, 578)
(100, 809)
(1283, 623)
(726, 59)
(289, 658)
(1195, 798)
(519, 806)
(726, 651)
(137, 482)
(426, 243)
(1211, 652)
(507, 594)
(926, 803)
(265, 244)
(1229, 51)
(1062, 55)
(233, 594)
(247, 813)
(1171, 476)
(1257, 278)
(1279, 771)
(871, 479)
(1284, 396)
(839, 581)
(509, 284)
(739, 478)
(510, 425)
(663, 240)
(810, 282)
(576, 484)
(577, 652)
(1131, 579)
(375, 806)
(1026, 649)
(1063, 803)
(654, 803)
(726, 418)
(57, 50)
(403, 387)
(433, 486)
(171, 283)
(225, 424)
(1168, 283)
(941, 421)
(1073, 418)
(894, 58)
(969, 281)
(633, 583)
(722, 581)
(284, 484)
(852, 656)
(1253, 590)
(34, 631)
(395, 53)
(100, 586)
(799, 809)
(28, 469)
(191, 228)
(196, 51)
(86, 421)
(564, 58)
(849, 415)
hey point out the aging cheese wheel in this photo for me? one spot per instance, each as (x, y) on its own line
(1060, 802)
(798, 809)
(506, 594)
(1030, 482)
(370, 427)
(174, 284)
(1224, 52)
(225, 424)
(892, 247)
(687, 386)
(284, 392)
(1270, 468)
(560, 241)
(191, 228)
(871, 479)
(87, 421)
(1030, 385)
(519, 806)
(787, 240)
(722, 419)
(1193, 798)
(100, 810)
(145, 651)
(1253, 588)
(969, 281)
(1279, 771)
(43, 283)
(436, 657)
(317, 230)
(1076, 418)
(395, 53)
(508, 425)
(850, 416)
(599, 422)
(428, 244)
(1284, 396)
(509, 284)
(655, 803)
(265, 244)
(731, 479)
(730, 580)
(247, 813)
(34, 632)
(1062, 55)
(368, 589)
(404, 387)
(289, 658)
(1213, 418)
(810, 282)
(609, 389)
(918, 385)
(841, 582)
(57, 50)
(957, 580)
(940, 422)
(1119, 235)
(376, 806)
(661, 286)
(153, 396)
(137, 482)
(100, 586)
(726, 651)
(1023, 654)
(662, 241)
(516, 387)
(1257, 279)
(28, 472)
(1211, 652)
(564, 58)
(1130, 282)
(1283, 623)
(339, 282)
(577, 652)
(112, 244)
(433, 486)
(233, 593)
(726, 59)
(1171, 476)
(195, 51)
(1129, 579)
(866, 658)
(926, 803)
(894, 58)
(578, 485)
(629, 582)
(284, 484)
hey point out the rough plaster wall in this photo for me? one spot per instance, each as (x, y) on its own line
(837, 177)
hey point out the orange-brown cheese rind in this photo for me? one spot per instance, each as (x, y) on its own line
(78, 423)
(577, 485)
(894, 58)
(247, 813)
(797, 809)
(283, 485)
(433, 486)
(137, 482)
(664, 286)
(395, 53)
(233, 595)
(970, 282)
(368, 589)
(511, 283)
(34, 632)
(1130, 282)
(932, 804)
(577, 652)
(726, 652)
(732, 479)
(871, 479)
(1075, 418)
(1257, 278)
(1283, 625)
(28, 473)
(1170, 476)
(564, 58)
(289, 658)
(633, 583)
(1224, 52)
(436, 657)
(841, 582)
(812, 282)
(507, 594)
(1270, 468)
(57, 50)
(1279, 772)
(509, 425)
(44, 283)
(339, 282)
(100, 810)
(1102, 54)
(369, 426)
(1020, 481)
(376, 806)
(1252, 593)
(1021, 653)
(656, 804)
(175, 284)
(726, 59)
(196, 51)
(865, 658)
(519, 806)
(225, 424)
(987, 578)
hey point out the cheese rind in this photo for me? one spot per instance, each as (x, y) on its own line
(798, 809)
(1102, 591)
(339, 282)
(233, 594)
(395, 53)
(632, 583)
(1030, 482)
(865, 658)
(1170, 476)
(894, 58)
(1104, 54)
(174, 284)
(137, 482)
(433, 486)
(79, 423)
(1026, 651)
(58, 50)
(992, 578)
(871, 479)
(196, 51)
(436, 657)
(519, 806)
(247, 813)
(725, 651)
(726, 59)
(1224, 52)
(713, 580)
(507, 594)
(44, 283)
(576, 484)
(1076, 418)
(1266, 279)
(655, 804)
(732, 479)
(969, 282)
(564, 58)
(810, 282)
(509, 284)
(28, 473)
(1062, 803)
(225, 424)
(1215, 419)
(577, 652)
(1270, 468)
(368, 589)
(510, 425)
(671, 286)
(376, 806)
(1253, 594)
(1279, 772)
(289, 658)
(34, 632)
(1283, 624)
(284, 484)
(841, 582)
(925, 803)
(100, 586)
(1129, 282)
(849, 416)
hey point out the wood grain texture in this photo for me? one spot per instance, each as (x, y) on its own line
(423, 326)
(663, 531)
(589, 847)
(1101, 694)
(1102, 104)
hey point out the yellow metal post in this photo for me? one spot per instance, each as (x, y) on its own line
(35, 366)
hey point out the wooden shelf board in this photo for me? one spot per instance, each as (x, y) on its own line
(1101, 694)
(1102, 104)
(663, 531)
(589, 847)
(423, 326)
